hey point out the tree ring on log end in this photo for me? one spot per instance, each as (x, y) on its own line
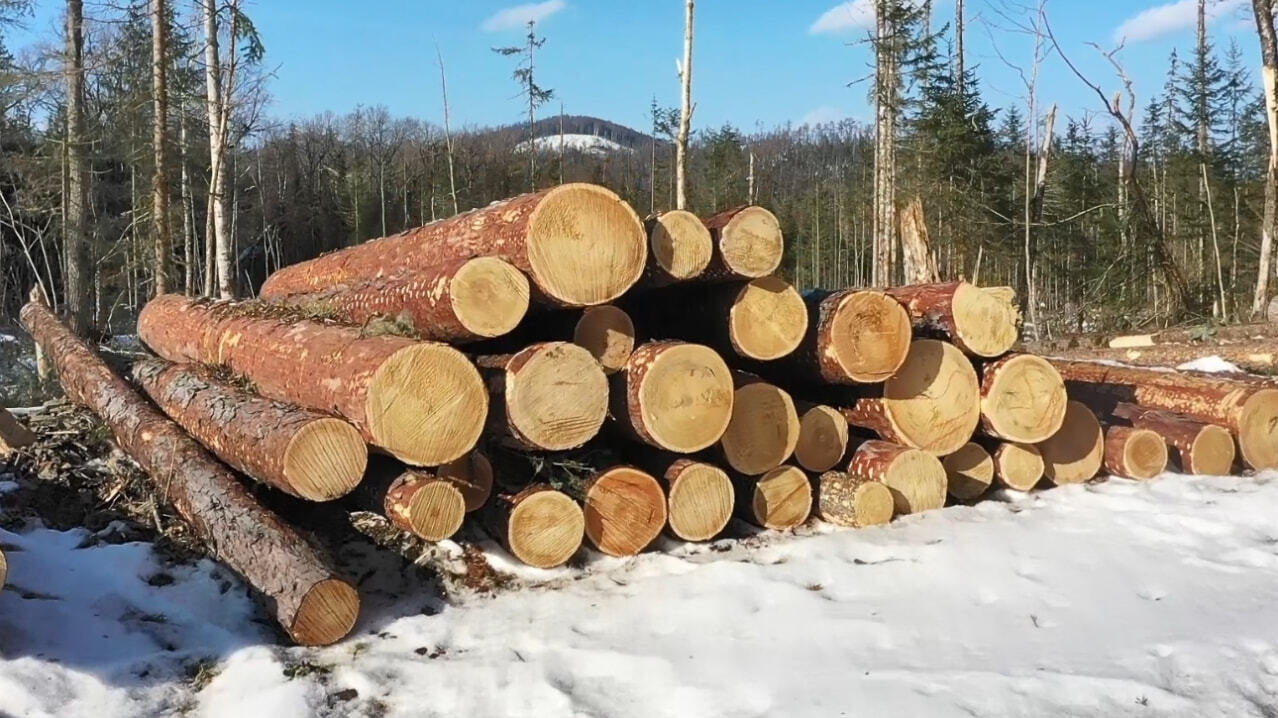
(436, 509)
(874, 504)
(869, 336)
(558, 398)
(767, 319)
(1212, 452)
(472, 474)
(782, 498)
(685, 398)
(1258, 430)
(700, 502)
(489, 296)
(585, 245)
(985, 324)
(969, 472)
(608, 334)
(544, 530)
(680, 244)
(426, 404)
(326, 614)
(1020, 466)
(933, 400)
(917, 480)
(1144, 454)
(625, 510)
(764, 429)
(325, 460)
(1076, 451)
(823, 438)
(751, 244)
(1024, 399)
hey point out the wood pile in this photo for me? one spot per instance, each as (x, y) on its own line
(550, 372)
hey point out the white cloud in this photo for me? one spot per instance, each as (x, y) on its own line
(521, 15)
(822, 115)
(851, 15)
(1168, 18)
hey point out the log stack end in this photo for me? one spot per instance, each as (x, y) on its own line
(585, 245)
(326, 614)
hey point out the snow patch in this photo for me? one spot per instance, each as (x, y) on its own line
(1213, 364)
(591, 144)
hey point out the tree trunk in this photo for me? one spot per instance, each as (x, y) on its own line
(78, 271)
(746, 243)
(1264, 13)
(779, 500)
(854, 501)
(189, 250)
(886, 108)
(538, 525)
(1259, 355)
(224, 254)
(1204, 449)
(917, 479)
(854, 336)
(764, 428)
(419, 502)
(969, 472)
(679, 248)
(580, 244)
(553, 396)
(917, 262)
(978, 322)
(424, 403)
(1134, 453)
(309, 600)
(685, 113)
(1022, 398)
(164, 279)
(13, 435)
(300, 452)
(1074, 453)
(823, 437)
(674, 396)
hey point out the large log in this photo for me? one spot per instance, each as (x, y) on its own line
(674, 396)
(308, 598)
(978, 322)
(13, 435)
(855, 501)
(931, 403)
(1255, 355)
(823, 437)
(747, 244)
(917, 479)
(419, 502)
(550, 396)
(780, 499)
(625, 510)
(764, 428)
(580, 245)
(1022, 398)
(538, 525)
(1018, 467)
(1206, 449)
(298, 451)
(422, 402)
(1250, 411)
(679, 248)
(699, 495)
(462, 300)
(1075, 452)
(969, 472)
(854, 336)
(1134, 453)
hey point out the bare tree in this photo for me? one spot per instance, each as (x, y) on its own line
(685, 111)
(448, 133)
(1264, 12)
(79, 263)
(160, 177)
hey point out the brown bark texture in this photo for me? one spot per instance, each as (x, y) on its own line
(1181, 433)
(839, 499)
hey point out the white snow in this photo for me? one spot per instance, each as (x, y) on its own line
(1212, 364)
(592, 144)
(1117, 598)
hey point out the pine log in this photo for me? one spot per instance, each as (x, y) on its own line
(747, 244)
(1018, 467)
(679, 248)
(303, 453)
(1134, 453)
(1022, 398)
(419, 502)
(580, 245)
(1205, 449)
(853, 501)
(931, 403)
(607, 333)
(625, 510)
(979, 323)
(779, 500)
(1075, 452)
(854, 336)
(1257, 355)
(764, 428)
(472, 474)
(823, 437)
(699, 495)
(313, 604)
(538, 525)
(13, 435)
(674, 396)
(462, 300)
(969, 472)
(422, 402)
(551, 396)
(917, 479)
(1249, 411)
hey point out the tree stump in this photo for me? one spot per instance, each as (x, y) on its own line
(539, 526)
(1022, 398)
(747, 244)
(679, 248)
(779, 500)
(823, 438)
(674, 396)
(764, 428)
(1075, 452)
(552, 396)
(969, 472)
(916, 478)
(1205, 449)
(853, 501)
(1134, 453)
(978, 322)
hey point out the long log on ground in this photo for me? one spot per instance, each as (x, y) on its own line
(978, 322)
(917, 479)
(1258, 355)
(854, 336)
(747, 244)
(538, 525)
(823, 437)
(699, 495)
(419, 502)
(308, 598)
(422, 402)
(853, 501)
(969, 472)
(1206, 335)
(1075, 452)
(931, 403)
(1249, 411)
(1022, 398)
(298, 451)
(1018, 467)
(674, 396)
(1134, 453)
(462, 300)
(472, 474)
(764, 429)
(780, 499)
(1206, 449)
(550, 396)
(580, 245)
(13, 435)
(679, 248)
(625, 510)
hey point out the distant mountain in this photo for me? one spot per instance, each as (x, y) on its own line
(581, 132)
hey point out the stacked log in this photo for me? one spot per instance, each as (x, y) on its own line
(747, 244)
(625, 510)
(673, 396)
(823, 437)
(1134, 453)
(699, 495)
(472, 474)
(780, 499)
(853, 337)
(764, 429)
(679, 248)
(978, 322)
(538, 525)
(916, 479)
(419, 502)
(1020, 467)
(1200, 448)
(969, 472)
(551, 396)
(1075, 452)
(855, 501)
(1022, 398)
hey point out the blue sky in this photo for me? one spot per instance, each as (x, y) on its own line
(757, 63)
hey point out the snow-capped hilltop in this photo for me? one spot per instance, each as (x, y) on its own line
(591, 144)
(581, 133)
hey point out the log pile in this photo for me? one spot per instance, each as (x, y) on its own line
(550, 373)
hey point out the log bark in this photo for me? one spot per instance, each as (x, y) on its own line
(1259, 355)
(308, 598)
(538, 525)
(1249, 411)
(674, 396)
(823, 437)
(303, 453)
(779, 500)
(1018, 467)
(854, 336)
(916, 478)
(969, 472)
(747, 244)
(1022, 398)
(679, 248)
(419, 502)
(13, 435)
(764, 428)
(1205, 449)
(422, 402)
(1134, 453)
(978, 322)
(853, 501)
(1075, 452)
(625, 510)
(550, 396)
(580, 245)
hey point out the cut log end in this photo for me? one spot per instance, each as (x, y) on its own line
(545, 529)
(325, 460)
(473, 476)
(1075, 452)
(325, 614)
(933, 400)
(426, 405)
(1258, 430)
(625, 511)
(679, 244)
(751, 243)
(874, 504)
(435, 510)
(585, 245)
(700, 501)
(1212, 452)
(767, 320)
(764, 429)
(984, 324)
(608, 334)
(917, 480)
(1018, 467)
(558, 398)
(781, 499)
(685, 398)
(969, 472)
(1023, 399)
(855, 501)
(869, 336)
(1134, 453)
(823, 438)
(489, 296)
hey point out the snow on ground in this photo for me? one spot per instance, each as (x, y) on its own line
(1209, 364)
(1117, 598)
(592, 144)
